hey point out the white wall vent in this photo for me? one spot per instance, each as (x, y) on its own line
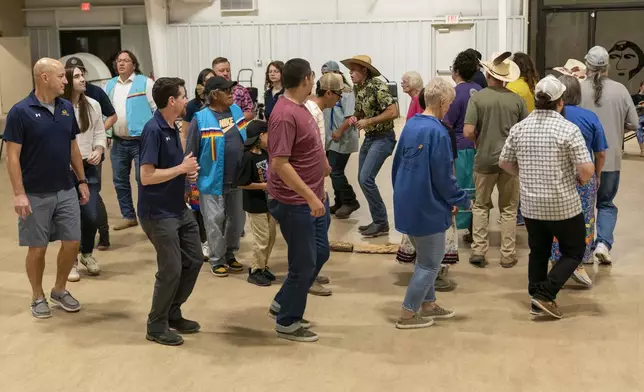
(238, 5)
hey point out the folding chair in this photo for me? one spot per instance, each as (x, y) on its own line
(393, 90)
(252, 91)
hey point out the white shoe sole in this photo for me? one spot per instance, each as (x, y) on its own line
(545, 311)
(41, 316)
(65, 308)
(91, 272)
(581, 280)
(75, 278)
(603, 259)
(443, 317)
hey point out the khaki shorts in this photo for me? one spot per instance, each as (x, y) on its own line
(54, 217)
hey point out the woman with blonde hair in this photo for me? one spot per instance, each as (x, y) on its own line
(411, 84)
(425, 197)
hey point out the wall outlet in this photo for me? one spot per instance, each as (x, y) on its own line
(258, 63)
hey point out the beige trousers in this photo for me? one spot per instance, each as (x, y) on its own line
(508, 187)
(264, 232)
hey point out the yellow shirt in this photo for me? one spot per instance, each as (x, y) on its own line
(521, 88)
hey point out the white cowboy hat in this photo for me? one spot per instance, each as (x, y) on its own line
(502, 68)
(573, 68)
(363, 61)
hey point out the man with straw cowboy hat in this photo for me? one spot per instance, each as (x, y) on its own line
(375, 111)
(490, 114)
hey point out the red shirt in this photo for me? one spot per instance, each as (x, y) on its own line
(293, 133)
(414, 108)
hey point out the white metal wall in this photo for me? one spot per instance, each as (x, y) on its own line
(394, 46)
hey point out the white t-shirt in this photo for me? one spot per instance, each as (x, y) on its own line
(94, 136)
(318, 115)
(119, 98)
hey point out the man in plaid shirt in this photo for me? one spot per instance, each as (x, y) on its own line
(550, 156)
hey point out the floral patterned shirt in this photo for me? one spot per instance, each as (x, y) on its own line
(372, 99)
(242, 98)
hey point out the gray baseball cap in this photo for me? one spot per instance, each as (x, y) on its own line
(331, 66)
(597, 57)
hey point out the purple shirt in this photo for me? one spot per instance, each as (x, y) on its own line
(456, 114)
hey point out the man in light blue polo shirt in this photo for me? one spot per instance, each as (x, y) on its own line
(41, 144)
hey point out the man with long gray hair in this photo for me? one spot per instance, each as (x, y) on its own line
(611, 102)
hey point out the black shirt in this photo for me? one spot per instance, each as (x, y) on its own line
(161, 147)
(193, 107)
(479, 78)
(637, 98)
(253, 170)
(99, 95)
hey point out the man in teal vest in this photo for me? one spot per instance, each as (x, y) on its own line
(216, 137)
(131, 95)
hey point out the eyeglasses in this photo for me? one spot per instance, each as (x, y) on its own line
(123, 61)
(226, 90)
(337, 93)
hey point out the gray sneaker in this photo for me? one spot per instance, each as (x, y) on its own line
(414, 323)
(437, 313)
(300, 335)
(40, 309)
(376, 230)
(65, 301)
(442, 284)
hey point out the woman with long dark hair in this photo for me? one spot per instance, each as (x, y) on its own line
(91, 142)
(196, 104)
(273, 86)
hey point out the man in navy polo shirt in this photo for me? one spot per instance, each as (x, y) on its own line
(41, 144)
(109, 113)
(166, 220)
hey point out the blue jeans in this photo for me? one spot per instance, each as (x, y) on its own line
(430, 250)
(307, 242)
(90, 212)
(373, 153)
(606, 209)
(122, 154)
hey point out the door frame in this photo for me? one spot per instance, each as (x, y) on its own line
(592, 9)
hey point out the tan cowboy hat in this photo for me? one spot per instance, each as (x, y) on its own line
(573, 68)
(363, 61)
(502, 68)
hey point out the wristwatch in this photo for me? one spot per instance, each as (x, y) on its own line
(83, 181)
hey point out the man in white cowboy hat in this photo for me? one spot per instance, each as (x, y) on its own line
(550, 156)
(611, 102)
(490, 114)
(375, 112)
(573, 68)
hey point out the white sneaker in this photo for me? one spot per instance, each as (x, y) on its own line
(205, 250)
(603, 254)
(74, 276)
(91, 264)
(581, 276)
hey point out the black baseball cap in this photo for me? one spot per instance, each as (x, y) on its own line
(74, 62)
(218, 83)
(253, 130)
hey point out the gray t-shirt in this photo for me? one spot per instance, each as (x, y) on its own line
(615, 111)
(493, 111)
(50, 107)
(333, 119)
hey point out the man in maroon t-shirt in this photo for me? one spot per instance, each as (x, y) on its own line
(297, 199)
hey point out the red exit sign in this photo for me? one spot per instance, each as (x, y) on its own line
(86, 6)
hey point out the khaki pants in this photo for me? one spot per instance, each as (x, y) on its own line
(508, 187)
(264, 232)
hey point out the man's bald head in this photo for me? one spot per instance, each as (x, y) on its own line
(49, 76)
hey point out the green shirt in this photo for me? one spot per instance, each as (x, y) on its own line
(493, 111)
(372, 99)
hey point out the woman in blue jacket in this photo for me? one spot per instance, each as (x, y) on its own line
(273, 86)
(425, 197)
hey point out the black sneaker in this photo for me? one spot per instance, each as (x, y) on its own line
(467, 238)
(334, 208)
(185, 326)
(258, 278)
(219, 270)
(269, 275)
(168, 338)
(346, 210)
(234, 265)
(535, 310)
(299, 335)
(364, 228)
(376, 231)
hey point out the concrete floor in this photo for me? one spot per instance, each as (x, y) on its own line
(492, 345)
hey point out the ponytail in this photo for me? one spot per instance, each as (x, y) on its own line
(598, 87)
